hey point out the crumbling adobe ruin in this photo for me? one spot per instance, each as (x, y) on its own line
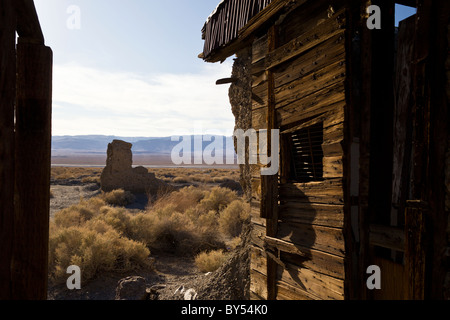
(120, 174)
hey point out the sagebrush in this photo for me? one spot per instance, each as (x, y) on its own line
(100, 237)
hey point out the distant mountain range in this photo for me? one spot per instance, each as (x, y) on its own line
(98, 144)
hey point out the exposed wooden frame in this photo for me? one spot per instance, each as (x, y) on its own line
(245, 35)
(7, 100)
(25, 151)
(28, 26)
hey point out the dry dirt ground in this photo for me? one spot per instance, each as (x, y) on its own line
(169, 272)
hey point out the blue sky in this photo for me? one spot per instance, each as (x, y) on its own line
(130, 68)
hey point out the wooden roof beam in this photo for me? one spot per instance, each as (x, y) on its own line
(258, 21)
(28, 26)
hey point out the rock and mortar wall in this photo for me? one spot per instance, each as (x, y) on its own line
(240, 94)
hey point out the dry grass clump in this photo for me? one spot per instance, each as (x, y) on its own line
(196, 175)
(92, 179)
(88, 174)
(118, 197)
(99, 237)
(182, 199)
(188, 220)
(233, 217)
(218, 199)
(92, 236)
(210, 261)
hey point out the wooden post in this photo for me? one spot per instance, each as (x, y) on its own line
(32, 175)
(269, 184)
(415, 254)
(7, 98)
(431, 119)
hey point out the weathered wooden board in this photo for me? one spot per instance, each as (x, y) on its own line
(393, 280)
(403, 119)
(7, 101)
(330, 120)
(258, 234)
(333, 133)
(258, 260)
(322, 101)
(313, 213)
(324, 192)
(319, 261)
(255, 214)
(310, 84)
(288, 292)
(258, 284)
(312, 259)
(322, 286)
(260, 96)
(333, 149)
(307, 41)
(330, 240)
(387, 237)
(335, 117)
(303, 18)
(259, 78)
(327, 53)
(32, 173)
(259, 49)
(28, 26)
(258, 67)
(333, 167)
(259, 118)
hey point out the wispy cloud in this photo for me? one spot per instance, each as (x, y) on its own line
(90, 101)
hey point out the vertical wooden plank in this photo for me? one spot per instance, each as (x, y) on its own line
(270, 183)
(415, 254)
(402, 120)
(381, 113)
(7, 99)
(351, 151)
(32, 176)
(421, 98)
(434, 173)
(376, 126)
(365, 94)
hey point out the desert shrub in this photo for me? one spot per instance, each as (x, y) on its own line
(234, 243)
(182, 179)
(181, 200)
(93, 252)
(210, 261)
(93, 179)
(217, 199)
(93, 236)
(232, 218)
(100, 238)
(141, 228)
(78, 214)
(118, 197)
(118, 218)
(220, 179)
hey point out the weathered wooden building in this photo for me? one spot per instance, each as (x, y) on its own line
(364, 143)
(25, 138)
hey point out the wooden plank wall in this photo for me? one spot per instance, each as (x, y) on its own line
(447, 177)
(308, 68)
(7, 98)
(25, 151)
